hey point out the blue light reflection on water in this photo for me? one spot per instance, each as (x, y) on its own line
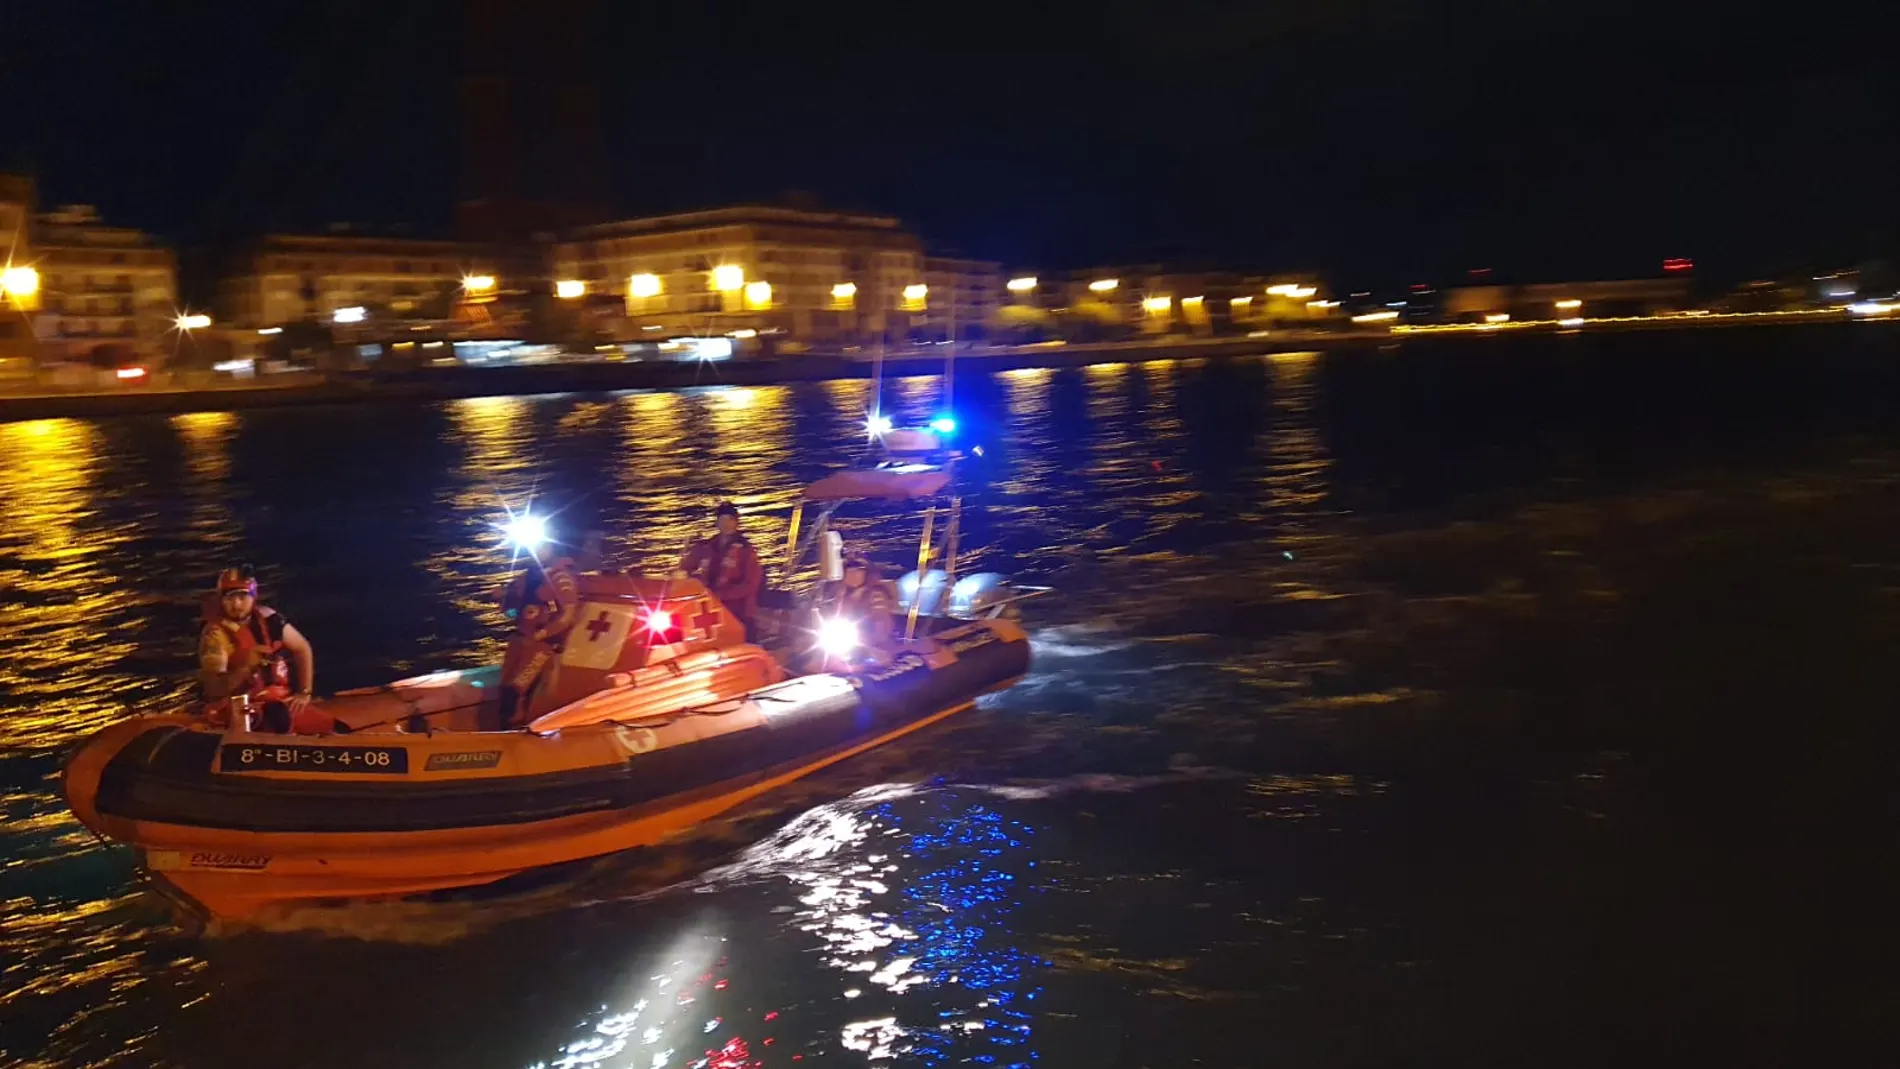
(957, 907)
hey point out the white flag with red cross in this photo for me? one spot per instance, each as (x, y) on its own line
(596, 640)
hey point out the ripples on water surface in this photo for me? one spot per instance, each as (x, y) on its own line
(1481, 704)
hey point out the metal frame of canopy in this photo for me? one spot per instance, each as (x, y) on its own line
(903, 480)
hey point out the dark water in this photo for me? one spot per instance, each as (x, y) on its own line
(1495, 702)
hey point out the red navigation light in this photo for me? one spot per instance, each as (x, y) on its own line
(1478, 272)
(1679, 264)
(1419, 287)
(663, 628)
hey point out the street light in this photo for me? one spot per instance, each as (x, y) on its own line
(844, 296)
(197, 321)
(568, 289)
(1156, 305)
(19, 283)
(1569, 304)
(728, 277)
(643, 286)
(353, 314)
(1022, 285)
(758, 295)
(1104, 285)
(914, 296)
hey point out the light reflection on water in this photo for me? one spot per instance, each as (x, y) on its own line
(1233, 816)
(110, 531)
(906, 896)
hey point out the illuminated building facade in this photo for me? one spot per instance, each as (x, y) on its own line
(106, 294)
(963, 293)
(294, 278)
(811, 277)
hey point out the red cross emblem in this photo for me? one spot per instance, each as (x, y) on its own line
(708, 621)
(599, 626)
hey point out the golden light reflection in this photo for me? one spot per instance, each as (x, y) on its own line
(64, 613)
(206, 437)
(495, 475)
(682, 453)
(850, 401)
(1295, 480)
(1026, 427)
(915, 393)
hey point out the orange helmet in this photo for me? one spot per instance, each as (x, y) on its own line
(239, 578)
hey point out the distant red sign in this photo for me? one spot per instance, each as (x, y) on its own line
(1680, 264)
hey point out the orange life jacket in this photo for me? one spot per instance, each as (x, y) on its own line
(262, 631)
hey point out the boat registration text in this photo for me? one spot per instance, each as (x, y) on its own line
(241, 757)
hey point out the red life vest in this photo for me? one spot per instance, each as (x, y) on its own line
(728, 566)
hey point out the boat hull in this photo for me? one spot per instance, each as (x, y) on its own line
(234, 822)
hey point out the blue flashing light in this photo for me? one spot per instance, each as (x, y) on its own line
(944, 425)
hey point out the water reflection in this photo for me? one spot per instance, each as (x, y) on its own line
(663, 1017)
(62, 581)
(207, 440)
(1298, 462)
(908, 892)
(495, 474)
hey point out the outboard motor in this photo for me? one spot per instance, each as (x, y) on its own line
(932, 597)
(981, 596)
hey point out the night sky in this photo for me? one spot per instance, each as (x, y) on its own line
(1385, 140)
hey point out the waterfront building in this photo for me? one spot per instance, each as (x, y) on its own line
(106, 294)
(378, 284)
(805, 277)
(962, 293)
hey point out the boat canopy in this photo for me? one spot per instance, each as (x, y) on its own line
(908, 482)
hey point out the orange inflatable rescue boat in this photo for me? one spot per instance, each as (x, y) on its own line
(636, 734)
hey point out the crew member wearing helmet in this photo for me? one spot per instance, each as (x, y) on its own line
(244, 648)
(728, 566)
(543, 601)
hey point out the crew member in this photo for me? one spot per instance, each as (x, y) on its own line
(543, 602)
(245, 649)
(871, 600)
(728, 566)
